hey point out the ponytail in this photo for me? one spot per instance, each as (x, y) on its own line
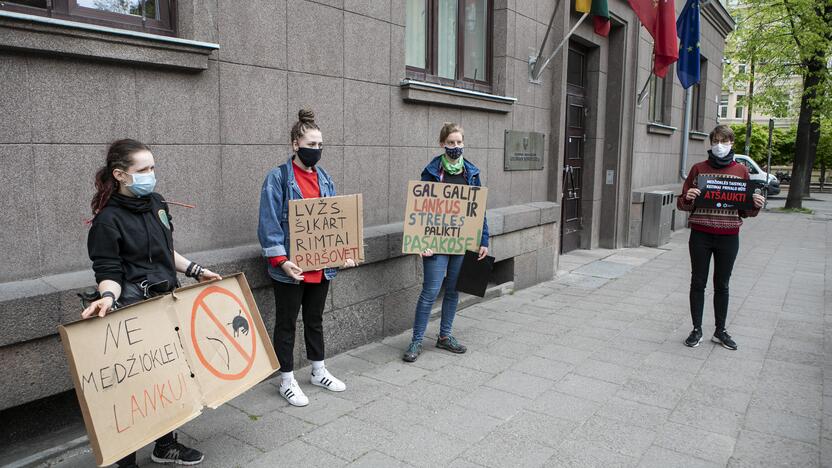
(105, 185)
(119, 156)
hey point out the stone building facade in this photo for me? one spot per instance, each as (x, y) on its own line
(216, 93)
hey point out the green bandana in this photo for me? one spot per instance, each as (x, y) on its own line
(453, 168)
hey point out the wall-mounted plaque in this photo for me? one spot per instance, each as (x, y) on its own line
(523, 151)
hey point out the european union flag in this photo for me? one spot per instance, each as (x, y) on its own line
(687, 27)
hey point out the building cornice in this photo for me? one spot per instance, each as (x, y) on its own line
(714, 12)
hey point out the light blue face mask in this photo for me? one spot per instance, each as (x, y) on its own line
(143, 184)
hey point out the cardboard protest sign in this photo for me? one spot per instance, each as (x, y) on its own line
(446, 218)
(146, 369)
(724, 193)
(325, 232)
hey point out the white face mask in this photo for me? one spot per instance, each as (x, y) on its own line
(721, 150)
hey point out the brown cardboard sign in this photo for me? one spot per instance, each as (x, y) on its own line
(146, 369)
(325, 232)
(446, 218)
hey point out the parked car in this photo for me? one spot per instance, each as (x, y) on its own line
(759, 176)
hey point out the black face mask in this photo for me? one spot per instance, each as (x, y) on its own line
(309, 156)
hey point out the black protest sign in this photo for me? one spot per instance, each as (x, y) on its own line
(724, 193)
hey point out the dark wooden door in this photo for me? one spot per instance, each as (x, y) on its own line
(572, 221)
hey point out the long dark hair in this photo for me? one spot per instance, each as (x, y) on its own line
(119, 156)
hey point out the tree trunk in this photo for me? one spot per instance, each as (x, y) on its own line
(804, 149)
(750, 108)
(814, 139)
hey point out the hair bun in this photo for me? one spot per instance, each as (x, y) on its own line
(306, 116)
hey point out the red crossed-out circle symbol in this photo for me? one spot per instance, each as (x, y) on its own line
(200, 304)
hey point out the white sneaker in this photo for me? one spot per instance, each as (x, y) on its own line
(326, 380)
(293, 394)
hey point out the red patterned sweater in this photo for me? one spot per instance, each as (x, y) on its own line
(714, 221)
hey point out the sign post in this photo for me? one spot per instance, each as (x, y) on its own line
(768, 163)
(146, 369)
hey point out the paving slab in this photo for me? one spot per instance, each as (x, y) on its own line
(758, 449)
(498, 450)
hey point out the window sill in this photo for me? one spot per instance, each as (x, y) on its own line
(660, 129)
(39, 34)
(698, 136)
(429, 93)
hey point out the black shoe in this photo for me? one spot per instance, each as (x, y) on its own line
(413, 351)
(722, 337)
(694, 338)
(451, 344)
(176, 453)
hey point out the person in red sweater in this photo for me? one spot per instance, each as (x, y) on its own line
(299, 177)
(713, 232)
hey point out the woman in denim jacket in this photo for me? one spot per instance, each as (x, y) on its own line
(449, 168)
(299, 177)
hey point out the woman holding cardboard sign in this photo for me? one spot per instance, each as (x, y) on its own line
(299, 177)
(450, 168)
(130, 244)
(714, 231)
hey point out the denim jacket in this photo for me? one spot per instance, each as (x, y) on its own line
(433, 173)
(273, 227)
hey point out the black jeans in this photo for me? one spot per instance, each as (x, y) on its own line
(724, 250)
(289, 298)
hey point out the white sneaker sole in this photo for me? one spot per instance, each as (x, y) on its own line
(299, 405)
(719, 342)
(694, 346)
(164, 461)
(318, 384)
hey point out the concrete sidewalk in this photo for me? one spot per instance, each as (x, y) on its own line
(585, 370)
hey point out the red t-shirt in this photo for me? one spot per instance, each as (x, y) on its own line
(308, 183)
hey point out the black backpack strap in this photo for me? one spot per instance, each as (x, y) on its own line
(284, 173)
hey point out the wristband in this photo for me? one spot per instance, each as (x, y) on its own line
(110, 295)
(194, 270)
(188, 271)
(280, 263)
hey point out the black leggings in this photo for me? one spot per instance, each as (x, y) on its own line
(724, 250)
(289, 298)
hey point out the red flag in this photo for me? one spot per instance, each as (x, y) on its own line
(659, 18)
(602, 25)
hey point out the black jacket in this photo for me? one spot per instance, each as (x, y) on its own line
(131, 241)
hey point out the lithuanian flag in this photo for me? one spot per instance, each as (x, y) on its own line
(600, 14)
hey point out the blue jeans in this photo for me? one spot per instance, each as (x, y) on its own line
(439, 270)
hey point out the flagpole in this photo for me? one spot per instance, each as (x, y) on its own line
(535, 73)
(643, 93)
(562, 42)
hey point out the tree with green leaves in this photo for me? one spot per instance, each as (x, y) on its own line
(782, 143)
(784, 38)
